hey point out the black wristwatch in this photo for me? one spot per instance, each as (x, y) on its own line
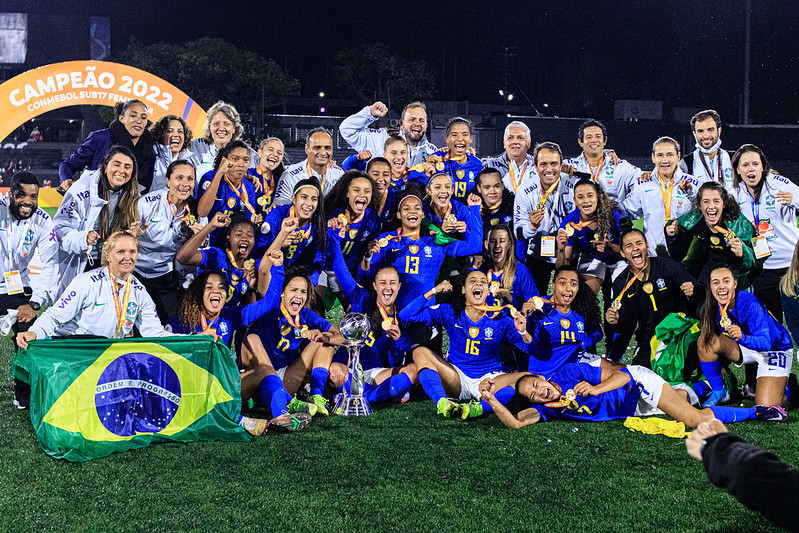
(35, 306)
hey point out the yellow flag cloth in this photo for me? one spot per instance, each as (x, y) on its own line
(657, 426)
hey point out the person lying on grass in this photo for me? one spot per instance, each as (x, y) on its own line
(579, 391)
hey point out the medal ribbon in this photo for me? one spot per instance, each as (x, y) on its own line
(413, 235)
(384, 314)
(232, 260)
(543, 201)
(185, 218)
(206, 325)
(513, 174)
(728, 234)
(115, 293)
(287, 316)
(666, 193)
(266, 183)
(305, 233)
(595, 177)
(312, 175)
(243, 196)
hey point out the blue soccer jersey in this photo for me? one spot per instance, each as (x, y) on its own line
(761, 331)
(358, 234)
(379, 350)
(474, 347)
(522, 289)
(388, 212)
(462, 174)
(283, 341)
(497, 216)
(419, 260)
(266, 196)
(304, 252)
(217, 259)
(461, 212)
(611, 405)
(580, 241)
(227, 201)
(558, 339)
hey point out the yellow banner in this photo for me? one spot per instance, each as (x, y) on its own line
(59, 85)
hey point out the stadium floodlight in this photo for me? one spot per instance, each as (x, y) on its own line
(321, 94)
(501, 92)
(510, 97)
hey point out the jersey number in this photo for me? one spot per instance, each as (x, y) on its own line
(472, 347)
(283, 344)
(776, 359)
(290, 253)
(460, 189)
(411, 264)
(370, 340)
(348, 247)
(567, 336)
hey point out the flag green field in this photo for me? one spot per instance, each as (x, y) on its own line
(93, 397)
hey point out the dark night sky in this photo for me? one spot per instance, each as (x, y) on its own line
(579, 55)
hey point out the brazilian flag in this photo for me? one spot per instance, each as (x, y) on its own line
(94, 397)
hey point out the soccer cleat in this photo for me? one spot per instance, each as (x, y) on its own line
(472, 409)
(749, 391)
(770, 413)
(447, 408)
(298, 406)
(716, 397)
(253, 426)
(22, 394)
(321, 404)
(288, 423)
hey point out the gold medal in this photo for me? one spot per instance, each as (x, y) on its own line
(285, 330)
(252, 218)
(615, 305)
(494, 287)
(569, 230)
(538, 303)
(597, 236)
(729, 236)
(304, 332)
(191, 221)
(383, 242)
(513, 312)
(234, 278)
(725, 322)
(452, 218)
(249, 263)
(261, 201)
(541, 205)
(212, 330)
(386, 324)
(440, 166)
(648, 288)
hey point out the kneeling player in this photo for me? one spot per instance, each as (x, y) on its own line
(476, 333)
(579, 391)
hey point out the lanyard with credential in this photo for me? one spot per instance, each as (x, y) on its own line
(755, 213)
(312, 175)
(720, 176)
(120, 309)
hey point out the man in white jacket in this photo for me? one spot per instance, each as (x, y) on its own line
(413, 126)
(24, 229)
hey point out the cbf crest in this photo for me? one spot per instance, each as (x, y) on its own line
(489, 333)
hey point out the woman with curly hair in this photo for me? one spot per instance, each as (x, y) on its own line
(172, 137)
(590, 233)
(222, 125)
(565, 325)
(716, 232)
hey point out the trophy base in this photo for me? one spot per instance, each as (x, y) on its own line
(352, 406)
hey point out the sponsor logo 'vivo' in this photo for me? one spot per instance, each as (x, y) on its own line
(65, 300)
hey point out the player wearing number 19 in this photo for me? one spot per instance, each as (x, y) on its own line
(736, 327)
(418, 258)
(476, 335)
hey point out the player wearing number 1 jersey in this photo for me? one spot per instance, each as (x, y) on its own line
(418, 258)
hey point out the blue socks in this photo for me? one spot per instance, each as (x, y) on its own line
(712, 372)
(318, 380)
(733, 414)
(701, 388)
(431, 383)
(395, 386)
(503, 395)
(275, 394)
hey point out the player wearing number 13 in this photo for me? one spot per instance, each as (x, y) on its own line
(417, 257)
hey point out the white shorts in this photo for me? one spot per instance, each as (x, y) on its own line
(776, 364)
(469, 385)
(281, 372)
(370, 375)
(599, 269)
(327, 278)
(650, 388)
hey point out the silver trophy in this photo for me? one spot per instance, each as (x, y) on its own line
(354, 328)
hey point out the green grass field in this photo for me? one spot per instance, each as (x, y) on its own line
(401, 469)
